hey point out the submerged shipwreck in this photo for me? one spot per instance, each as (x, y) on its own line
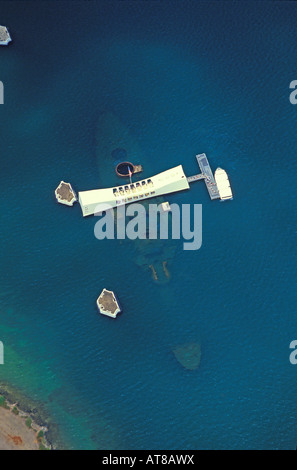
(120, 157)
(117, 151)
(188, 355)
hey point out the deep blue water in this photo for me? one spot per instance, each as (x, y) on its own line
(184, 77)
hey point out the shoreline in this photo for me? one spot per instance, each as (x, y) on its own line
(28, 424)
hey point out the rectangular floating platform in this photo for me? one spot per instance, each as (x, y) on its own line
(208, 176)
(138, 169)
(165, 206)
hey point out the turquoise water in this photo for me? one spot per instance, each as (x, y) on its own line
(182, 78)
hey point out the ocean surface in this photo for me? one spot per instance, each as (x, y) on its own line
(182, 77)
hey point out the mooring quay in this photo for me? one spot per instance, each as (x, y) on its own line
(207, 175)
(167, 182)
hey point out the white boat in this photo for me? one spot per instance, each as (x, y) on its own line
(223, 184)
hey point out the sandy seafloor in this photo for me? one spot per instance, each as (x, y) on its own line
(183, 78)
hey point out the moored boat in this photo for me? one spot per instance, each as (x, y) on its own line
(223, 184)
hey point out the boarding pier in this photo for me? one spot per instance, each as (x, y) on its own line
(191, 179)
(209, 180)
(207, 175)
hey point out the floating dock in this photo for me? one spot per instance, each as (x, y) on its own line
(218, 185)
(165, 206)
(5, 38)
(108, 304)
(208, 176)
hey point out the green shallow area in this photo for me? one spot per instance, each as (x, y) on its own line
(40, 392)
